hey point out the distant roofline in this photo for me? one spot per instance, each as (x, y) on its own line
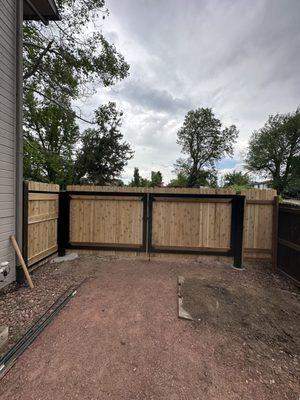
(262, 182)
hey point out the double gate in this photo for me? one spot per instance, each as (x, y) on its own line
(210, 224)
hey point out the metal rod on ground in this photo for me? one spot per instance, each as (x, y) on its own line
(147, 229)
(8, 360)
(22, 262)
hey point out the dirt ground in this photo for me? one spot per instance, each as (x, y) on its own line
(120, 336)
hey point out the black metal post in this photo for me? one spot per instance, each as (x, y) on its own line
(19, 272)
(237, 230)
(150, 215)
(63, 225)
(145, 223)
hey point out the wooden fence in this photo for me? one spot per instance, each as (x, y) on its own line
(182, 223)
(186, 221)
(39, 221)
(260, 225)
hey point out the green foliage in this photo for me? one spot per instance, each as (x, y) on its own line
(71, 54)
(156, 178)
(274, 151)
(180, 181)
(205, 178)
(50, 135)
(236, 178)
(138, 181)
(103, 154)
(65, 61)
(203, 141)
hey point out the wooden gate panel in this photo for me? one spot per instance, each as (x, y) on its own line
(40, 221)
(191, 224)
(106, 220)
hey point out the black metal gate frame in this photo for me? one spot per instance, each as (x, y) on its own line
(236, 235)
(63, 233)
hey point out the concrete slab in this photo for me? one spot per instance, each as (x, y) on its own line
(182, 313)
(67, 257)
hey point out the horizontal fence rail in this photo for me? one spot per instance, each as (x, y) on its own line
(208, 224)
(102, 221)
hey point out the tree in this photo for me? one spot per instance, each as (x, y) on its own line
(156, 178)
(274, 150)
(181, 180)
(103, 154)
(50, 137)
(204, 141)
(63, 62)
(139, 181)
(70, 55)
(136, 181)
(207, 178)
(236, 178)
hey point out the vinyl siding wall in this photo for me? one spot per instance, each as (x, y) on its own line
(7, 131)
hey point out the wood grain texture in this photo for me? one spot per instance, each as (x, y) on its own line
(258, 223)
(106, 220)
(179, 223)
(42, 221)
(191, 224)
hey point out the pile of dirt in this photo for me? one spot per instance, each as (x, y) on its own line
(260, 322)
(269, 315)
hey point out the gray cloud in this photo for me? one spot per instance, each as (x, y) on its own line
(242, 58)
(139, 93)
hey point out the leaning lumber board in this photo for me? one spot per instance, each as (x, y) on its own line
(22, 262)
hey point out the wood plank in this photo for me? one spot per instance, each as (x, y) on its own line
(41, 255)
(99, 197)
(43, 187)
(289, 244)
(42, 197)
(104, 244)
(261, 202)
(257, 250)
(192, 200)
(41, 218)
(189, 248)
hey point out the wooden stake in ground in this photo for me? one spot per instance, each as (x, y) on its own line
(22, 262)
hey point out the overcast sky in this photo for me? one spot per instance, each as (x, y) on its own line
(242, 58)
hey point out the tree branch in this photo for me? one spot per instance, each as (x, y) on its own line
(63, 107)
(38, 61)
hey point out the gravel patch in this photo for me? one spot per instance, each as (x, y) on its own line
(21, 307)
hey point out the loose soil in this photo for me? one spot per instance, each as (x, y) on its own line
(263, 321)
(120, 336)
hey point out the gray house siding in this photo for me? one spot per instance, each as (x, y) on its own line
(8, 42)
